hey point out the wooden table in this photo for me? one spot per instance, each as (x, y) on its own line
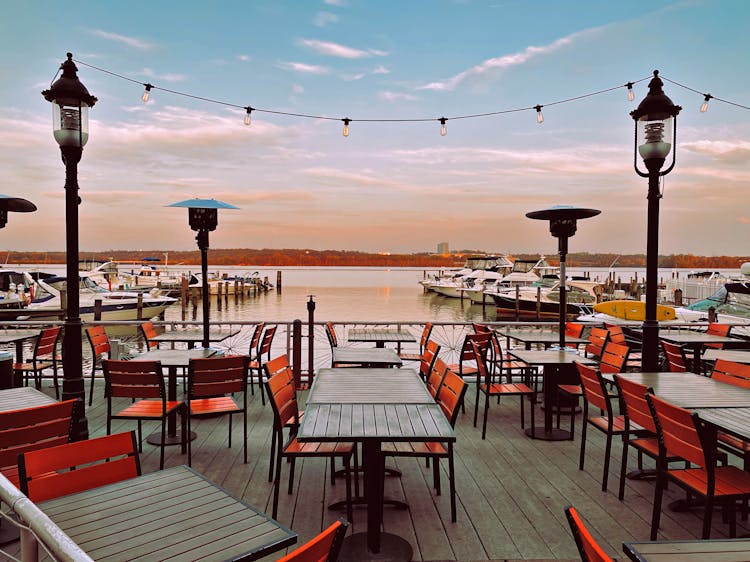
(551, 361)
(695, 341)
(191, 337)
(379, 336)
(372, 406)
(23, 397)
(546, 337)
(365, 356)
(173, 359)
(174, 514)
(736, 355)
(18, 337)
(715, 550)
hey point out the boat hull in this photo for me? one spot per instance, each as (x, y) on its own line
(532, 309)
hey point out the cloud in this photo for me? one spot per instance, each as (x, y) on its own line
(732, 151)
(298, 89)
(380, 69)
(169, 77)
(353, 77)
(243, 58)
(338, 50)
(489, 68)
(743, 220)
(304, 68)
(336, 2)
(130, 41)
(322, 19)
(397, 96)
(342, 178)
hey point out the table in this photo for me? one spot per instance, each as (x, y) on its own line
(546, 337)
(379, 336)
(173, 359)
(716, 550)
(191, 337)
(368, 357)
(23, 397)
(372, 406)
(18, 337)
(735, 355)
(551, 361)
(174, 513)
(695, 341)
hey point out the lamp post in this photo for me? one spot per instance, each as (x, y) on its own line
(203, 216)
(562, 225)
(655, 122)
(70, 127)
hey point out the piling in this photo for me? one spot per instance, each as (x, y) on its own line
(310, 339)
(139, 307)
(538, 303)
(98, 309)
(278, 280)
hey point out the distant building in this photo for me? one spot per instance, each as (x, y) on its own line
(442, 248)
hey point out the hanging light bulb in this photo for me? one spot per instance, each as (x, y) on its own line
(249, 110)
(631, 96)
(346, 121)
(443, 130)
(539, 116)
(146, 93)
(707, 98)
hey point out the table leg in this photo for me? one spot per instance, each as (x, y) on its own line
(173, 437)
(547, 432)
(19, 351)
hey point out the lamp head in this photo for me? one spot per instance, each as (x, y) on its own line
(203, 214)
(13, 204)
(563, 218)
(654, 120)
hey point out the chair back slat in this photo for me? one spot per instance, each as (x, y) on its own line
(211, 376)
(593, 387)
(633, 395)
(429, 355)
(253, 348)
(266, 342)
(573, 329)
(730, 372)
(450, 395)
(614, 358)
(133, 379)
(483, 373)
(676, 429)
(483, 342)
(148, 331)
(675, 357)
(598, 338)
(283, 396)
(47, 341)
(98, 339)
(331, 334)
(480, 328)
(588, 548)
(324, 547)
(716, 329)
(426, 333)
(436, 376)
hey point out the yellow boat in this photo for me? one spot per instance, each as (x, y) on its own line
(634, 310)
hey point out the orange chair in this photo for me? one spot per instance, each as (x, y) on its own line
(210, 381)
(488, 388)
(333, 339)
(675, 356)
(144, 380)
(449, 398)
(99, 342)
(57, 471)
(480, 328)
(573, 329)
(33, 428)
(588, 548)
(325, 547)
(428, 358)
(617, 335)
(283, 399)
(681, 433)
(437, 373)
(148, 331)
(598, 338)
(716, 329)
(736, 374)
(256, 365)
(253, 350)
(44, 357)
(426, 333)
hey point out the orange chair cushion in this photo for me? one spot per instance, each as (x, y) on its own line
(316, 449)
(218, 405)
(417, 448)
(30, 366)
(730, 480)
(146, 409)
(506, 388)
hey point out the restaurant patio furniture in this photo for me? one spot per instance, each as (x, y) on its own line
(588, 548)
(99, 342)
(695, 341)
(597, 341)
(675, 357)
(466, 355)
(380, 336)
(17, 337)
(149, 334)
(45, 357)
(734, 355)
(437, 373)
(426, 333)
(323, 547)
(256, 365)
(364, 357)
(546, 338)
(724, 550)
(191, 336)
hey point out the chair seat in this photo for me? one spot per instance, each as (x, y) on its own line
(571, 389)
(649, 445)
(506, 388)
(618, 424)
(290, 421)
(218, 405)
(734, 442)
(730, 480)
(316, 449)
(414, 449)
(30, 366)
(410, 356)
(455, 367)
(254, 364)
(147, 409)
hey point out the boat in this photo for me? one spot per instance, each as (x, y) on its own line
(450, 278)
(461, 286)
(634, 310)
(149, 274)
(543, 299)
(524, 273)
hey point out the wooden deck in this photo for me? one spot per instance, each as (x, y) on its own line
(511, 489)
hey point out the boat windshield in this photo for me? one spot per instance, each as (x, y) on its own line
(732, 299)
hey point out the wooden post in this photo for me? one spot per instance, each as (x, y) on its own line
(518, 303)
(139, 306)
(297, 352)
(278, 280)
(242, 288)
(98, 309)
(538, 303)
(226, 291)
(236, 287)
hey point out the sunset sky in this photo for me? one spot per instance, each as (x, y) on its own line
(389, 186)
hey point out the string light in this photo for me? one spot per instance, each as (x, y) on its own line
(539, 116)
(706, 99)
(443, 130)
(631, 96)
(249, 110)
(346, 121)
(146, 93)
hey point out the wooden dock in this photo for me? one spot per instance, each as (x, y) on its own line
(511, 490)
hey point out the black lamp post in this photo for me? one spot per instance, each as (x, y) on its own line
(562, 225)
(655, 122)
(203, 216)
(70, 127)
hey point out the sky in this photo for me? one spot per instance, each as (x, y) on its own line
(395, 184)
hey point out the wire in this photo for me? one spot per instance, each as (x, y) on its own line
(703, 93)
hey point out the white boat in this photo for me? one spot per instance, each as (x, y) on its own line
(474, 280)
(545, 296)
(495, 263)
(149, 274)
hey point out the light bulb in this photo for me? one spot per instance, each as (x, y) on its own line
(539, 116)
(706, 99)
(443, 129)
(345, 132)
(249, 110)
(146, 93)
(631, 96)
(654, 147)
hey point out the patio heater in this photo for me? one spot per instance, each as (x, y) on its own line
(655, 126)
(562, 225)
(70, 126)
(13, 204)
(203, 216)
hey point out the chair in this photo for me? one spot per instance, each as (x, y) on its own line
(99, 342)
(209, 381)
(489, 388)
(324, 547)
(148, 331)
(598, 338)
(617, 335)
(714, 329)
(573, 329)
(144, 380)
(467, 354)
(65, 469)
(480, 328)
(44, 357)
(436, 377)
(675, 357)
(252, 350)
(333, 340)
(428, 358)
(283, 398)
(33, 428)
(426, 333)
(256, 365)
(588, 548)
(736, 374)
(681, 433)
(449, 397)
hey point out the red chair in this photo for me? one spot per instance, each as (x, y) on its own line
(736, 374)
(426, 333)
(437, 373)
(325, 547)
(44, 357)
(617, 335)
(148, 331)
(429, 356)
(99, 342)
(588, 548)
(681, 432)
(675, 356)
(256, 365)
(598, 338)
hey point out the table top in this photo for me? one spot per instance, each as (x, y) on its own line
(174, 357)
(366, 355)
(368, 386)
(379, 335)
(688, 337)
(190, 336)
(539, 336)
(716, 550)
(731, 420)
(736, 355)
(23, 397)
(549, 357)
(174, 514)
(11, 336)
